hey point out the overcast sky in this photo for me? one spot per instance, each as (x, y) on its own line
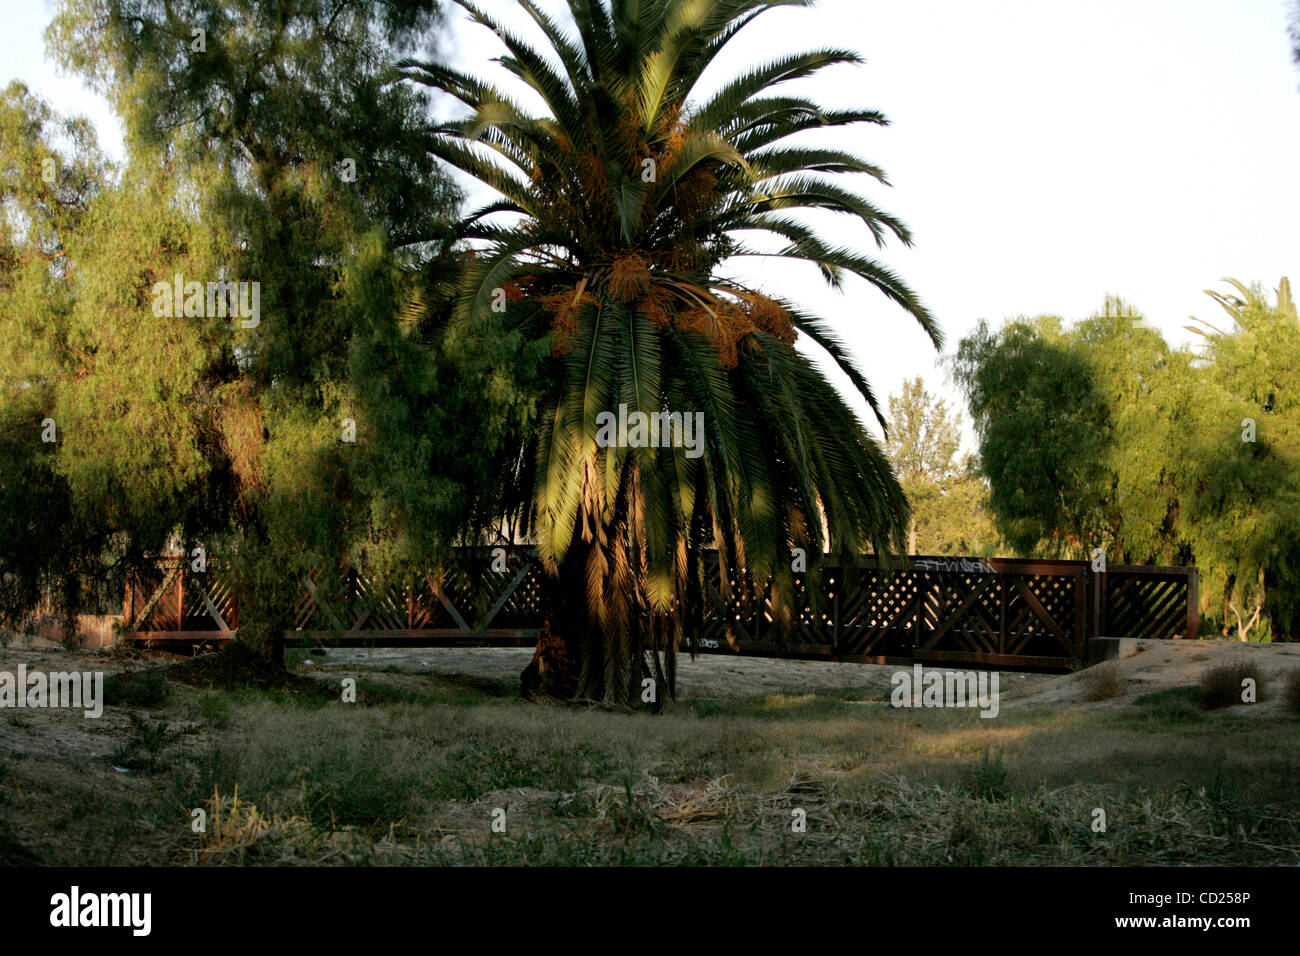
(1044, 153)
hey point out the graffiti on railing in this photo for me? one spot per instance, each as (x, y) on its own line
(978, 565)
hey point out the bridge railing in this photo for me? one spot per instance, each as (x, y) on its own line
(994, 612)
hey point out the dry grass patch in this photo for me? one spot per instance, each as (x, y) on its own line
(1291, 691)
(1105, 681)
(1224, 685)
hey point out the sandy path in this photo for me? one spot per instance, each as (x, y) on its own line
(1157, 665)
(709, 675)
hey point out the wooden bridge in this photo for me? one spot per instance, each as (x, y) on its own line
(991, 612)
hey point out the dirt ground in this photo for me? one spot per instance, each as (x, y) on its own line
(707, 677)
(1157, 665)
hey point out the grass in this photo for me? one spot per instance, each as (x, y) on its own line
(413, 773)
(986, 780)
(1176, 705)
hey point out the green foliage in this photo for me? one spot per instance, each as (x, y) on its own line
(1041, 428)
(136, 689)
(281, 154)
(50, 176)
(148, 747)
(473, 769)
(1243, 516)
(924, 437)
(215, 709)
(1177, 705)
(947, 495)
(1100, 435)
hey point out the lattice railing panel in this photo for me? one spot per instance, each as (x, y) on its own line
(952, 609)
(1146, 606)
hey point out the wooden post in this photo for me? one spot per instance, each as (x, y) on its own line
(922, 582)
(838, 586)
(1004, 590)
(1193, 606)
(1081, 616)
(1101, 605)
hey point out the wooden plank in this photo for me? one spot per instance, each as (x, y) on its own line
(441, 637)
(311, 586)
(510, 589)
(182, 636)
(996, 660)
(455, 614)
(212, 609)
(157, 596)
(1041, 612)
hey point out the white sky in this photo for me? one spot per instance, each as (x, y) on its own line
(1043, 152)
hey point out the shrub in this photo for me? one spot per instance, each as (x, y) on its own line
(136, 689)
(1291, 693)
(1221, 685)
(146, 748)
(1102, 682)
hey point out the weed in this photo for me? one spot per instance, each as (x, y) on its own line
(986, 780)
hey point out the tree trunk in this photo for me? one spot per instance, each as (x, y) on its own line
(550, 674)
(555, 672)
(598, 626)
(575, 659)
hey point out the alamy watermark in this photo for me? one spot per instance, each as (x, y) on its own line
(661, 429)
(937, 688)
(74, 689)
(219, 300)
(75, 909)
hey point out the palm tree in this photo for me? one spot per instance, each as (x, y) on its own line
(619, 207)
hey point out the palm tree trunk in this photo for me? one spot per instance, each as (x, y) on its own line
(558, 667)
(578, 659)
